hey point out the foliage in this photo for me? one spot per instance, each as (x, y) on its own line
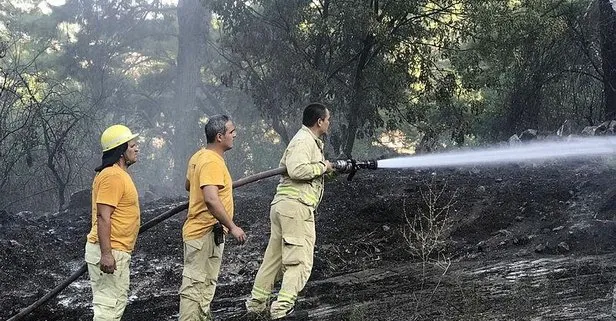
(359, 57)
(529, 62)
(432, 73)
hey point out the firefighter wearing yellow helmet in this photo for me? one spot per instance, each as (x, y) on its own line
(115, 223)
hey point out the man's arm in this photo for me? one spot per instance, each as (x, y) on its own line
(299, 164)
(103, 229)
(214, 205)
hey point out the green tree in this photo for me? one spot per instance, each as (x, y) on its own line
(360, 57)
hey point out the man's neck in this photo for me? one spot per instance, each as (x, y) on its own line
(215, 148)
(315, 131)
(122, 164)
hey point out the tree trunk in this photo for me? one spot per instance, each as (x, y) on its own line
(356, 106)
(525, 104)
(280, 128)
(319, 53)
(608, 57)
(193, 21)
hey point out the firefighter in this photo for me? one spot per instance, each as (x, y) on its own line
(115, 224)
(289, 253)
(210, 207)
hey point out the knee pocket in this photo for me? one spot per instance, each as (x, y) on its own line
(195, 289)
(105, 308)
(293, 250)
(202, 261)
(105, 301)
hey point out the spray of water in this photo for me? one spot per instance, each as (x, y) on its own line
(573, 148)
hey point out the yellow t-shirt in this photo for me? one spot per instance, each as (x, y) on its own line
(206, 167)
(113, 186)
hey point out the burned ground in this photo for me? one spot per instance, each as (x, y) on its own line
(522, 242)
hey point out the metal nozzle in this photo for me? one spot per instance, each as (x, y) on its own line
(367, 164)
(351, 166)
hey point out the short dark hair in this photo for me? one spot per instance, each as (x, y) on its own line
(215, 125)
(312, 113)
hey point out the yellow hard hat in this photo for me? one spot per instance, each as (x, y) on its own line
(115, 136)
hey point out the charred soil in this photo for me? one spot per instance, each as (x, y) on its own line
(518, 242)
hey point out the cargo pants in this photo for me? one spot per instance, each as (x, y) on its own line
(289, 256)
(202, 258)
(109, 291)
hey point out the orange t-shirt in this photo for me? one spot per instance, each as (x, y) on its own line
(206, 167)
(113, 186)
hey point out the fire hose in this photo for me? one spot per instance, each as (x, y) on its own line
(350, 167)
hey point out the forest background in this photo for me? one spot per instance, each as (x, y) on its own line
(399, 77)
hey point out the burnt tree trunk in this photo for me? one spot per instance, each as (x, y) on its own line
(608, 57)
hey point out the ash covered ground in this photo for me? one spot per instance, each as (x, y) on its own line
(520, 242)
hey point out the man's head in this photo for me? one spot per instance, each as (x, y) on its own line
(219, 130)
(316, 117)
(119, 145)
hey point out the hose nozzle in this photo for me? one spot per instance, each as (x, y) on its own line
(351, 166)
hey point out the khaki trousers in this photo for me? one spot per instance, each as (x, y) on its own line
(289, 256)
(613, 310)
(109, 291)
(202, 260)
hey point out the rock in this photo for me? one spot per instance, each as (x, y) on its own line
(502, 232)
(611, 128)
(565, 130)
(80, 199)
(514, 139)
(529, 134)
(540, 248)
(24, 215)
(589, 130)
(481, 189)
(481, 246)
(602, 129)
(558, 228)
(605, 128)
(563, 247)
(519, 218)
(386, 228)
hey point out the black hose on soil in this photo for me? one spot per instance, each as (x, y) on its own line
(149, 224)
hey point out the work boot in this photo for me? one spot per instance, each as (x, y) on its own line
(255, 316)
(291, 315)
(256, 310)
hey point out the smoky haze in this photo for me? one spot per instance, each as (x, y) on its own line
(70, 69)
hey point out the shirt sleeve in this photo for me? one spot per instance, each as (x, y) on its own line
(299, 164)
(212, 173)
(189, 170)
(110, 190)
